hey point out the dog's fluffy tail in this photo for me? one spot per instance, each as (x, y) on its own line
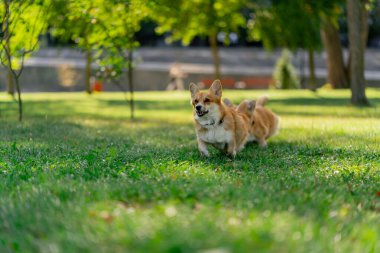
(261, 101)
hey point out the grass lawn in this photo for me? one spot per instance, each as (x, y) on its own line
(78, 176)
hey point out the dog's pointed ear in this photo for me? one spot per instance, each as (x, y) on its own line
(216, 88)
(228, 102)
(251, 104)
(194, 89)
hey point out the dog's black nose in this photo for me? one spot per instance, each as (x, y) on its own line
(198, 107)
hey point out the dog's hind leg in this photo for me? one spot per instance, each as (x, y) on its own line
(231, 149)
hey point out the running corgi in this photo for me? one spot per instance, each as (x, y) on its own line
(216, 124)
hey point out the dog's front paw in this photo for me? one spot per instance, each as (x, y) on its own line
(263, 143)
(205, 153)
(232, 154)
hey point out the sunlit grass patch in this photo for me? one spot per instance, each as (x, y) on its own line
(79, 176)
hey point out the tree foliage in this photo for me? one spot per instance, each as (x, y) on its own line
(22, 23)
(105, 29)
(77, 20)
(117, 35)
(292, 24)
(116, 42)
(186, 19)
(21, 28)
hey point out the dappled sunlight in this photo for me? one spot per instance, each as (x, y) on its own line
(330, 128)
(329, 111)
(122, 152)
(176, 104)
(87, 167)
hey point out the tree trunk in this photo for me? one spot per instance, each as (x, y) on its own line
(18, 89)
(11, 75)
(356, 49)
(215, 54)
(302, 70)
(88, 71)
(364, 23)
(10, 84)
(130, 82)
(312, 79)
(336, 71)
(5, 28)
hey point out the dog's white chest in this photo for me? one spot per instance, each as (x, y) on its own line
(216, 134)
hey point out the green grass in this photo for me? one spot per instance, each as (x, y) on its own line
(78, 176)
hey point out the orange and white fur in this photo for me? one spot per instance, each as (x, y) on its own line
(216, 124)
(263, 122)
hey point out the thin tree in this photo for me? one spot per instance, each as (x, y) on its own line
(116, 41)
(22, 24)
(5, 22)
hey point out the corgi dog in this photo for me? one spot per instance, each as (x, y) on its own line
(216, 124)
(263, 122)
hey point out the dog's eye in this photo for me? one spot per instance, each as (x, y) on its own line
(207, 100)
(196, 101)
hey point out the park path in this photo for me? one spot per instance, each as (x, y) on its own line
(62, 69)
(234, 60)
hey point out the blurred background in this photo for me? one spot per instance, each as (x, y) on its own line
(113, 45)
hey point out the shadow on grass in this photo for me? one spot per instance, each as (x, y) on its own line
(111, 109)
(162, 163)
(319, 101)
(54, 174)
(54, 170)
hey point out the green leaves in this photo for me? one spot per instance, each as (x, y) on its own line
(291, 24)
(118, 34)
(104, 27)
(21, 28)
(187, 19)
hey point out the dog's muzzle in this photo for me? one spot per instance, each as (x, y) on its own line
(201, 113)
